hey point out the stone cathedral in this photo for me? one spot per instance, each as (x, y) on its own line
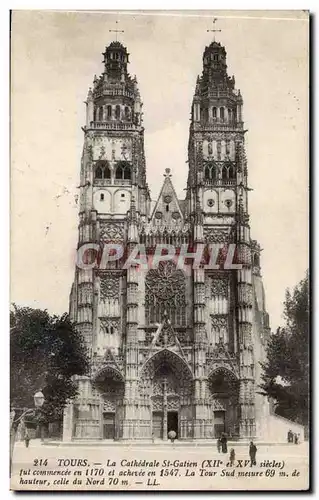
(170, 349)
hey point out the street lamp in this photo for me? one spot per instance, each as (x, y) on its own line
(38, 399)
(38, 402)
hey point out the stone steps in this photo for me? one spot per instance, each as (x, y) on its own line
(146, 443)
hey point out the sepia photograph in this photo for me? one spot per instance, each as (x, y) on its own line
(159, 307)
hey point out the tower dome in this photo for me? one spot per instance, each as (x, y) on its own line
(115, 60)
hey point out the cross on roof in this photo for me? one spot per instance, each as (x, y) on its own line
(214, 30)
(116, 31)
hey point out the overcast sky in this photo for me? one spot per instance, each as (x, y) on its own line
(54, 58)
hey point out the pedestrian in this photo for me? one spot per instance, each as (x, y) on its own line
(252, 453)
(296, 438)
(219, 445)
(172, 436)
(26, 439)
(224, 443)
(289, 436)
(232, 457)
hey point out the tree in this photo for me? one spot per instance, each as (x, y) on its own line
(285, 375)
(46, 352)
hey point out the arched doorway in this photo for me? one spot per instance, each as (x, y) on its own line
(110, 384)
(223, 394)
(167, 381)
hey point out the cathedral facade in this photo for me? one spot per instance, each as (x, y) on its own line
(171, 348)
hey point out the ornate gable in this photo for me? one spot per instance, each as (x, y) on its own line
(167, 211)
(165, 338)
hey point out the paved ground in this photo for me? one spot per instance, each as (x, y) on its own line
(165, 467)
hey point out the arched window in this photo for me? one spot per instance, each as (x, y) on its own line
(107, 172)
(204, 114)
(222, 113)
(224, 173)
(127, 113)
(117, 112)
(102, 197)
(215, 57)
(256, 260)
(99, 173)
(109, 111)
(230, 115)
(123, 170)
(214, 112)
(127, 173)
(213, 172)
(231, 172)
(102, 170)
(94, 114)
(119, 172)
(101, 114)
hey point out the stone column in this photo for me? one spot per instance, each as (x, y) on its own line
(89, 108)
(131, 397)
(247, 424)
(200, 408)
(165, 410)
(68, 422)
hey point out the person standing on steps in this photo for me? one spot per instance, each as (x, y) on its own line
(224, 443)
(26, 439)
(219, 445)
(232, 457)
(252, 453)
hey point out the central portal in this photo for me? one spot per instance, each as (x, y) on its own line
(172, 422)
(166, 382)
(160, 428)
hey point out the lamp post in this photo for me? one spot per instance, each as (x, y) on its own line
(16, 417)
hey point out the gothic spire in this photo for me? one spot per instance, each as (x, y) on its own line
(132, 222)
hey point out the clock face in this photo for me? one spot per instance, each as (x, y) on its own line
(227, 200)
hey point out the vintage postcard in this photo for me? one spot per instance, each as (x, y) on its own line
(159, 250)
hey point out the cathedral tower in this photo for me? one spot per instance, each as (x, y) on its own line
(172, 347)
(229, 330)
(113, 195)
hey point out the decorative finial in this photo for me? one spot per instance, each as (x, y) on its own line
(116, 31)
(133, 210)
(214, 30)
(198, 211)
(167, 172)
